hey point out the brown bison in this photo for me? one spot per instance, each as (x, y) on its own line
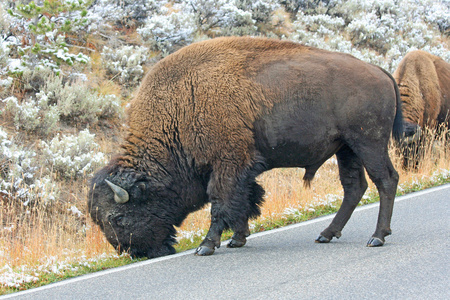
(212, 116)
(424, 83)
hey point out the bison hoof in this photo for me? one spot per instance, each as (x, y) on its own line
(375, 242)
(236, 243)
(204, 251)
(322, 239)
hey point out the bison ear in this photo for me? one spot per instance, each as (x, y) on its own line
(120, 195)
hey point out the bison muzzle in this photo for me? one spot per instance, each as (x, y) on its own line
(208, 119)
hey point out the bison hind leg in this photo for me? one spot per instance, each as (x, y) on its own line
(351, 173)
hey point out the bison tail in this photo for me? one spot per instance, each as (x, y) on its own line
(397, 130)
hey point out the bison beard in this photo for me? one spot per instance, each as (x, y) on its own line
(210, 118)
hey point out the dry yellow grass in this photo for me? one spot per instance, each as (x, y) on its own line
(32, 240)
(34, 234)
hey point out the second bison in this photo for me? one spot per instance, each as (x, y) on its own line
(424, 83)
(212, 116)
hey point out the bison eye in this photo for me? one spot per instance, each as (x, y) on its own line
(119, 221)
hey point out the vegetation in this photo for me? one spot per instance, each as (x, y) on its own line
(68, 69)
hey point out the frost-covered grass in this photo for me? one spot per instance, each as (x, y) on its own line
(173, 24)
(124, 64)
(379, 32)
(28, 175)
(53, 269)
(73, 156)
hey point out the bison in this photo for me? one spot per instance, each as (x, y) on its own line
(210, 117)
(424, 83)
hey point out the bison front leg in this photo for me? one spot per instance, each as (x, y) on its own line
(239, 237)
(255, 200)
(224, 216)
(212, 239)
(233, 202)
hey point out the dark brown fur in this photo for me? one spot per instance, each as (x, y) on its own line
(212, 116)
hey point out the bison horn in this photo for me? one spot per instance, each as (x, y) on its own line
(120, 195)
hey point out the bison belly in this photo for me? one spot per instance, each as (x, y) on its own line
(295, 138)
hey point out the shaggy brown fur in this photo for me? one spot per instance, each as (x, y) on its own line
(424, 83)
(212, 116)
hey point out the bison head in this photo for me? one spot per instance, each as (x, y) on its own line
(134, 211)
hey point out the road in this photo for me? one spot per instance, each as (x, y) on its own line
(287, 264)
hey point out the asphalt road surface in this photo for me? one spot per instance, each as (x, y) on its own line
(287, 264)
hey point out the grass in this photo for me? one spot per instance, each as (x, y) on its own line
(39, 246)
(58, 271)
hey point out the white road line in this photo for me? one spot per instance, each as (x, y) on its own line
(192, 251)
